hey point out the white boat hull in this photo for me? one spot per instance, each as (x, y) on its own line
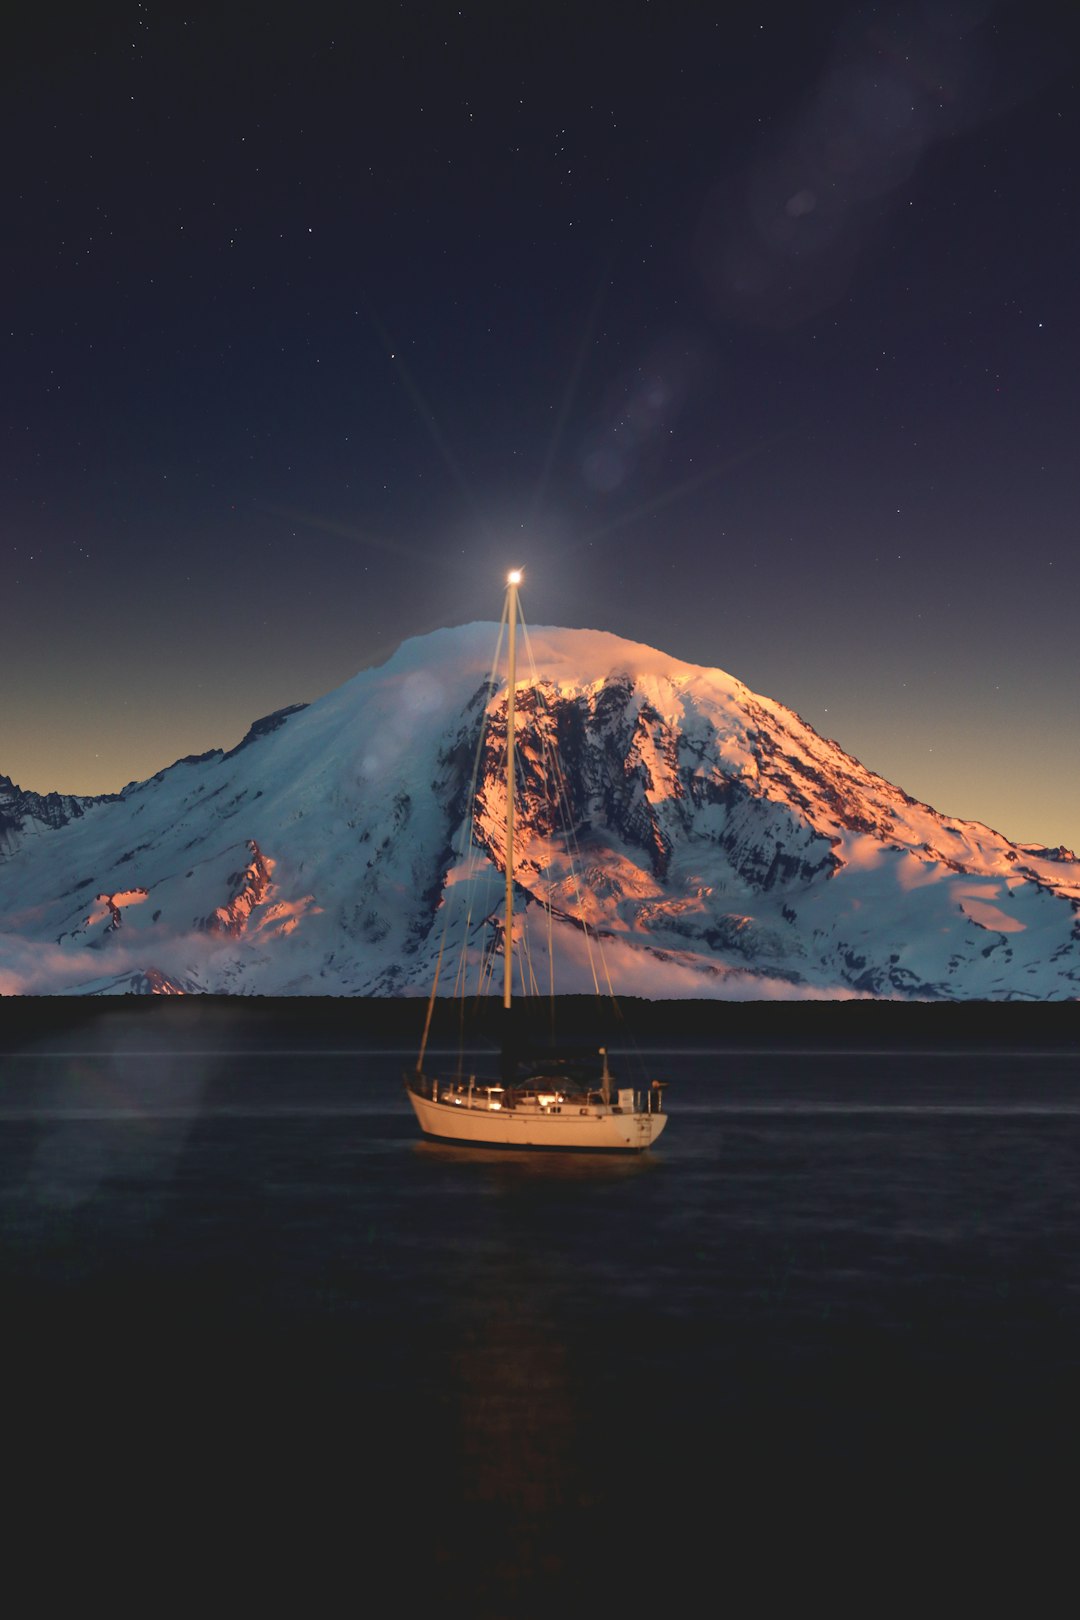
(595, 1127)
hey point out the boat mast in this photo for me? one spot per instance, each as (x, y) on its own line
(513, 580)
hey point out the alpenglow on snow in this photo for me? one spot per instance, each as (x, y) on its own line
(721, 848)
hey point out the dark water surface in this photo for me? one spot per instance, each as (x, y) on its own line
(821, 1345)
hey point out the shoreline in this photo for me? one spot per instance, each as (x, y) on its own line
(842, 1025)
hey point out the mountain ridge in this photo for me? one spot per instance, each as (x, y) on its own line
(711, 839)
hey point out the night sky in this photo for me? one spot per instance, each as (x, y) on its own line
(751, 332)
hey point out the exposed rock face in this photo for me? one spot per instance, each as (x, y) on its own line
(263, 727)
(708, 838)
(22, 810)
(793, 813)
(249, 889)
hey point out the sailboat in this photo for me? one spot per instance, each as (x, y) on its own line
(553, 1101)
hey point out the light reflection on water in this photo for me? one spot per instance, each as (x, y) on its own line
(838, 1280)
(545, 1166)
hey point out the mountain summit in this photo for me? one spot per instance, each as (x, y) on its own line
(711, 840)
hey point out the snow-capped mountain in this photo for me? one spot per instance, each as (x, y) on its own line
(709, 843)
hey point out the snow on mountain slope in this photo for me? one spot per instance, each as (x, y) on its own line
(720, 848)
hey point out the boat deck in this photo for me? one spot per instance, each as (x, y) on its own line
(462, 1110)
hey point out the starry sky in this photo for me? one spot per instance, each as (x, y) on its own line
(751, 332)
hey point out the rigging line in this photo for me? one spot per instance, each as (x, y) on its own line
(522, 951)
(462, 977)
(489, 969)
(576, 881)
(551, 958)
(540, 713)
(553, 760)
(491, 960)
(461, 980)
(521, 970)
(516, 766)
(577, 867)
(447, 909)
(526, 951)
(529, 986)
(555, 775)
(592, 936)
(563, 801)
(560, 778)
(430, 1008)
(472, 858)
(488, 956)
(475, 1006)
(462, 974)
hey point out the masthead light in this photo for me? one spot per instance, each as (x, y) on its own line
(514, 577)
